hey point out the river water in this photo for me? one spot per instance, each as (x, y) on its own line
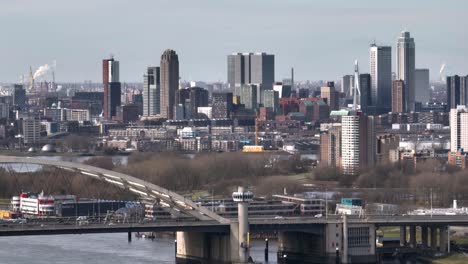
(98, 248)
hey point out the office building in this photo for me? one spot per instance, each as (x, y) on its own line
(198, 98)
(422, 85)
(249, 96)
(330, 96)
(459, 129)
(222, 105)
(357, 142)
(365, 99)
(457, 91)
(245, 68)
(284, 90)
(271, 100)
(169, 76)
(112, 87)
(347, 84)
(405, 71)
(19, 97)
(398, 97)
(381, 77)
(151, 92)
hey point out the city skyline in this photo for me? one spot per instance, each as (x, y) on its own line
(299, 41)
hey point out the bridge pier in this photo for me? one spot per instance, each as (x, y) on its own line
(424, 236)
(413, 236)
(434, 237)
(203, 248)
(443, 239)
(402, 236)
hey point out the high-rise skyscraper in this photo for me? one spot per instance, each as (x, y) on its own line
(457, 91)
(151, 92)
(271, 100)
(19, 97)
(249, 96)
(365, 100)
(256, 68)
(347, 84)
(406, 59)
(357, 142)
(459, 129)
(381, 77)
(112, 87)
(169, 82)
(398, 96)
(422, 85)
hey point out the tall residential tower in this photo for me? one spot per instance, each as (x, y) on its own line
(151, 92)
(112, 87)
(169, 82)
(405, 60)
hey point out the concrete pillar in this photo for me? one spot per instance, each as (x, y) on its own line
(402, 235)
(443, 239)
(433, 237)
(198, 247)
(448, 239)
(243, 197)
(424, 236)
(344, 258)
(413, 236)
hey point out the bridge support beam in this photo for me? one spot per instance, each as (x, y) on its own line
(413, 236)
(424, 236)
(443, 239)
(433, 237)
(203, 248)
(402, 235)
(302, 247)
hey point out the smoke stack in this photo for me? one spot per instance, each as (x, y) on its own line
(454, 204)
(292, 79)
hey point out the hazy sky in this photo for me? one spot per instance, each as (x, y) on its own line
(320, 39)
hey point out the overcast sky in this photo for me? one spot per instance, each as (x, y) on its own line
(320, 39)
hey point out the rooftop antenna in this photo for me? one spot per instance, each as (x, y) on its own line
(356, 88)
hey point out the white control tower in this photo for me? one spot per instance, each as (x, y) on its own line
(243, 197)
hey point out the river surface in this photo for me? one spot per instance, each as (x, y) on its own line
(98, 248)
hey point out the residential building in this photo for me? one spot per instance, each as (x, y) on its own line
(31, 130)
(169, 76)
(112, 87)
(405, 70)
(249, 96)
(398, 97)
(330, 147)
(271, 100)
(222, 104)
(458, 129)
(330, 96)
(357, 142)
(151, 92)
